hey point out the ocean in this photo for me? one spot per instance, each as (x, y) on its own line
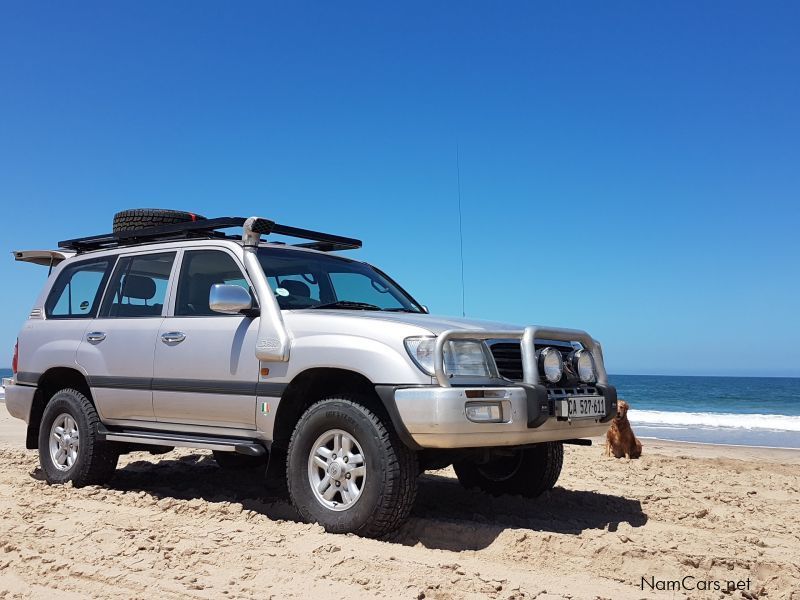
(749, 411)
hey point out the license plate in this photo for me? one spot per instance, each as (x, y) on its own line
(581, 407)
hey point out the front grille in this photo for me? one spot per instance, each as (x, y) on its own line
(509, 360)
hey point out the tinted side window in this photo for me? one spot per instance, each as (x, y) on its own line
(199, 271)
(138, 287)
(76, 293)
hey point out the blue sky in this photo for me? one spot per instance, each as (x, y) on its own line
(628, 168)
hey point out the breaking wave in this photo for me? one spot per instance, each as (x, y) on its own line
(655, 418)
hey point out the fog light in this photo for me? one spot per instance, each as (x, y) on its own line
(551, 364)
(583, 363)
(485, 412)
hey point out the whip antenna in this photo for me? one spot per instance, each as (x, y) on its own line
(460, 231)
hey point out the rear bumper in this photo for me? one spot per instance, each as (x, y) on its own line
(436, 417)
(19, 399)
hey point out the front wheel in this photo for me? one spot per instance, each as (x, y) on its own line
(527, 472)
(69, 449)
(348, 471)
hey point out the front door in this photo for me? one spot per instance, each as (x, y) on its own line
(205, 370)
(117, 348)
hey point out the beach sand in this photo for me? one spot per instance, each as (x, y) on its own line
(179, 527)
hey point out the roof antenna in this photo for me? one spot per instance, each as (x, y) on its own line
(460, 232)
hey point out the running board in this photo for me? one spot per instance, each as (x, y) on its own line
(246, 447)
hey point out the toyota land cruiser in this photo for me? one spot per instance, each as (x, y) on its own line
(172, 331)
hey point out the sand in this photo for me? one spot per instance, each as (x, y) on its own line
(176, 526)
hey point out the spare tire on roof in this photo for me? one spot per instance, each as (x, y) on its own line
(143, 218)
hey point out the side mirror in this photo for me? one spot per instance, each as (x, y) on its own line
(425, 309)
(229, 299)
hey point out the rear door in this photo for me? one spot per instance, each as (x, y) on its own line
(55, 329)
(205, 366)
(117, 349)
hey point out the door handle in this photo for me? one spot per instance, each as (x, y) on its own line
(95, 336)
(173, 337)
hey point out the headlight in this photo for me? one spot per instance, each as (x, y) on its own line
(469, 358)
(583, 363)
(551, 364)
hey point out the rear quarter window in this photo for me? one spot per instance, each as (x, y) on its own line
(77, 290)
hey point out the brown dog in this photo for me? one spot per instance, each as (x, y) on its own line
(620, 440)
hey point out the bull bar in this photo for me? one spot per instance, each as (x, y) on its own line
(527, 339)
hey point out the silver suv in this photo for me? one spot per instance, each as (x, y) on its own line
(171, 331)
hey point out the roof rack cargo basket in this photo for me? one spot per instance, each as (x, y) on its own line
(207, 229)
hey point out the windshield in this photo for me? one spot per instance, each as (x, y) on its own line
(302, 279)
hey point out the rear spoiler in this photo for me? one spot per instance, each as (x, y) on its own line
(46, 258)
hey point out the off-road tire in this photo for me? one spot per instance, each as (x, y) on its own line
(143, 218)
(96, 460)
(390, 485)
(533, 471)
(231, 461)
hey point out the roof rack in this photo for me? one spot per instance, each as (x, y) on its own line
(207, 229)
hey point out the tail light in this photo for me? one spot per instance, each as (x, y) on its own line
(15, 360)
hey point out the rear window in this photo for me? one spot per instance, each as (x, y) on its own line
(77, 290)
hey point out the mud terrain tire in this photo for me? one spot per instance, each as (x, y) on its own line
(389, 468)
(95, 460)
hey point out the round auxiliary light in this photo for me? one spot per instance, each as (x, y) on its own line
(551, 364)
(583, 361)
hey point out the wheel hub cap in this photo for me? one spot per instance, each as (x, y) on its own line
(64, 442)
(336, 470)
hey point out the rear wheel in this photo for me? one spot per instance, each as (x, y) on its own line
(143, 218)
(69, 449)
(528, 472)
(348, 471)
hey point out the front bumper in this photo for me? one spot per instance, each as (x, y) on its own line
(435, 417)
(19, 399)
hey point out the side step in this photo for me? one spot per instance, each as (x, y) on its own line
(160, 438)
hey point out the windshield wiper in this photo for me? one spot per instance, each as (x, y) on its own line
(347, 304)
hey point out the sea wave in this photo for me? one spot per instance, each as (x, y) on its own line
(662, 418)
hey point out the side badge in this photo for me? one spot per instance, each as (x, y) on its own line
(265, 408)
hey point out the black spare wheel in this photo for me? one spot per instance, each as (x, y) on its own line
(143, 218)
